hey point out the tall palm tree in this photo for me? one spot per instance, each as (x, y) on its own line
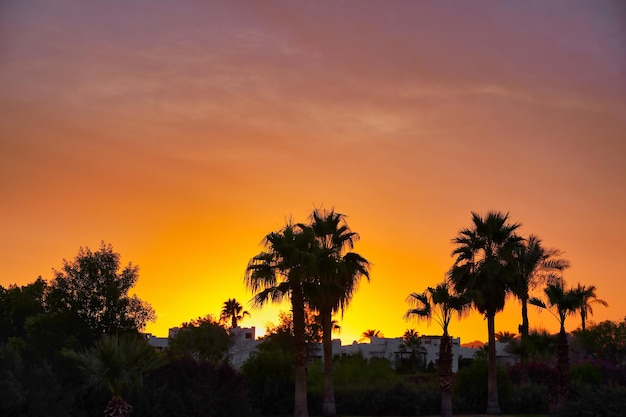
(370, 333)
(536, 265)
(587, 296)
(440, 305)
(118, 363)
(338, 275)
(280, 272)
(565, 303)
(232, 311)
(484, 269)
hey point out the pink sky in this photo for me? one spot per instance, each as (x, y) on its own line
(182, 133)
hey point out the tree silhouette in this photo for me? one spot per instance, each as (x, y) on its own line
(586, 297)
(232, 311)
(369, 333)
(438, 304)
(92, 288)
(118, 364)
(565, 303)
(282, 271)
(337, 278)
(485, 270)
(535, 265)
(505, 337)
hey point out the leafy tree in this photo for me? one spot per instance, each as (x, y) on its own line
(118, 363)
(232, 311)
(605, 340)
(370, 333)
(438, 304)
(17, 304)
(280, 272)
(485, 270)
(280, 336)
(338, 274)
(586, 297)
(201, 339)
(565, 303)
(92, 288)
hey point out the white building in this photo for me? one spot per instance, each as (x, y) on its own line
(245, 344)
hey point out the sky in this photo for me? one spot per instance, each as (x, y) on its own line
(183, 132)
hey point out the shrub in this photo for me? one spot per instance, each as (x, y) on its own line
(470, 388)
(591, 401)
(270, 379)
(186, 387)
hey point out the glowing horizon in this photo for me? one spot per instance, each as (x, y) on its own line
(183, 134)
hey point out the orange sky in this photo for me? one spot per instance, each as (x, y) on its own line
(183, 133)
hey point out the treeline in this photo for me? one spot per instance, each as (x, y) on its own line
(73, 346)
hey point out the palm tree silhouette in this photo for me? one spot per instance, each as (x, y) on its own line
(535, 265)
(587, 296)
(484, 269)
(438, 304)
(565, 303)
(282, 271)
(118, 363)
(232, 311)
(338, 276)
(370, 333)
(505, 337)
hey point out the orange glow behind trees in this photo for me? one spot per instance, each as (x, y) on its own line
(182, 134)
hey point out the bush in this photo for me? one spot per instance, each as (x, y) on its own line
(270, 380)
(591, 401)
(527, 399)
(186, 387)
(470, 388)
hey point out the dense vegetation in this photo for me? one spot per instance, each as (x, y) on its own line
(73, 346)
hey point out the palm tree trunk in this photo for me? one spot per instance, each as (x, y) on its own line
(563, 371)
(583, 317)
(493, 405)
(300, 400)
(523, 341)
(445, 375)
(328, 408)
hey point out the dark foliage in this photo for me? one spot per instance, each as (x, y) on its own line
(270, 379)
(203, 339)
(538, 373)
(470, 388)
(186, 387)
(587, 400)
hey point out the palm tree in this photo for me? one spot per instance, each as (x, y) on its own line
(535, 265)
(280, 272)
(505, 337)
(338, 276)
(370, 333)
(411, 341)
(485, 271)
(118, 363)
(587, 296)
(565, 303)
(439, 305)
(232, 311)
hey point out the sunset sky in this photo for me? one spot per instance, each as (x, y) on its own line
(183, 132)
